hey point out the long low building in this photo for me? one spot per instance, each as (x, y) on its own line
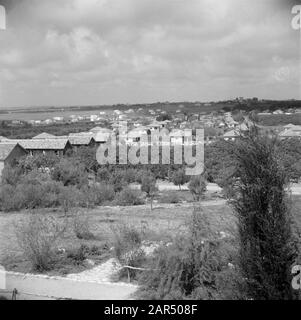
(38, 146)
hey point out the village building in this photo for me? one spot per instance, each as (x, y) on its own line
(101, 135)
(81, 140)
(43, 146)
(9, 154)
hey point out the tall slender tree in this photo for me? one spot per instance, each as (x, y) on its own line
(267, 245)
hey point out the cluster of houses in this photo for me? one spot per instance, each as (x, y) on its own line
(140, 122)
(12, 149)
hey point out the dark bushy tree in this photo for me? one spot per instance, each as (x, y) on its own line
(179, 178)
(268, 248)
(197, 187)
(148, 185)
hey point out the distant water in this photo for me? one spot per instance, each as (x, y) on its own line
(26, 116)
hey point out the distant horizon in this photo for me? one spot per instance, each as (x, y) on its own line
(138, 103)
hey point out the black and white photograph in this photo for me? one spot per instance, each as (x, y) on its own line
(150, 150)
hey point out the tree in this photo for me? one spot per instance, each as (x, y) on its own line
(179, 178)
(297, 170)
(148, 185)
(238, 117)
(267, 245)
(70, 173)
(197, 187)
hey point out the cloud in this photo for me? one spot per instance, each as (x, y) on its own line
(109, 51)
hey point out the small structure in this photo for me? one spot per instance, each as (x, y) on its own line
(9, 154)
(101, 135)
(231, 135)
(81, 140)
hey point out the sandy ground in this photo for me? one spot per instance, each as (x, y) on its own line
(101, 273)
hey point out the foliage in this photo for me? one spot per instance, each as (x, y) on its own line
(81, 226)
(170, 197)
(197, 187)
(179, 178)
(148, 185)
(70, 173)
(267, 246)
(37, 237)
(78, 255)
(127, 241)
(128, 197)
(194, 266)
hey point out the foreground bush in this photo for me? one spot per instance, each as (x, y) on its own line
(148, 185)
(101, 193)
(170, 197)
(128, 197)
(10, 199)
(81, 226)
(194, 266)
(197, 187)
(37, 237)
(127, 241)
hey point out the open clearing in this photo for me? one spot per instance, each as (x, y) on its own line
(160, 224)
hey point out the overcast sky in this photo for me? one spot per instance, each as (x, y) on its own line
(81, 52)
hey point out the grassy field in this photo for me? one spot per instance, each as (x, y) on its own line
(160, 224)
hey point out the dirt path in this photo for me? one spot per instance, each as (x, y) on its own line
(37, 287)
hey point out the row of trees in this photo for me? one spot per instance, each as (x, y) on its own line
(51, 181)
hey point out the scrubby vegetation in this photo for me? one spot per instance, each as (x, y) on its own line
(196, 265)
(197, 262)
(37, 237)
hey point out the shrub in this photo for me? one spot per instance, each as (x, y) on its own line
(194, 266)
(197, 187)
(33, 195)
(37, 237)
(148, 185)
(117, 180)
(81, 227)
(127, 242)
(11, 199)
(100, 193)
(78, 255)
(130, 175)
(103, 175)
(128, 197)
(70, 173)
(179, 178)
(11, 175)
(69, 197)
(125, 238)
(170, 197)
(51, 194)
